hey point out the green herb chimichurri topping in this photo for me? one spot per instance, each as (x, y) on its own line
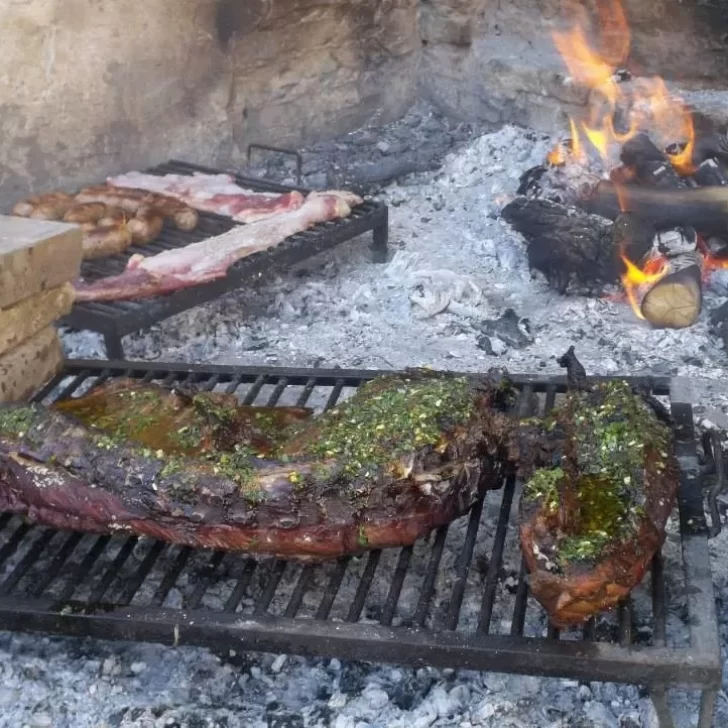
(387, 419)
(611, 429)
(15, 421)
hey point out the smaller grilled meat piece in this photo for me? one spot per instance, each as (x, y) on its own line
(600, 487)
(405, 454)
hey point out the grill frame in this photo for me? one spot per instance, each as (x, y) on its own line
(657, 666)
(114, 320)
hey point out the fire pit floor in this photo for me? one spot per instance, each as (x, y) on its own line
(410, 606)
(117, 319)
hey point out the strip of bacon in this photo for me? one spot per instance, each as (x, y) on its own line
(210, 259)
(216, 193)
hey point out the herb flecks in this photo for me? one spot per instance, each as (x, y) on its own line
(15, 421)
(387, 419)
(612, 431)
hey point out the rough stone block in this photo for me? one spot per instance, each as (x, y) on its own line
(23, 320)
(35, 256)
(24, 369)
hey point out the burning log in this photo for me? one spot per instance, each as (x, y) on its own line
(667, 288)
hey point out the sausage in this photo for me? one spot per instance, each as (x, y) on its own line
(114, 216)
(106, 240)
(129, 200)
(50, 206)
(183, 216)
(145, 225)
(85, 212)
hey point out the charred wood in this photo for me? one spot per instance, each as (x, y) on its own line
(667, 208)
(577, 252)
(650, 165)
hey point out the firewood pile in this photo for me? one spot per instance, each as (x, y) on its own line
(646, 224)
(636, 195)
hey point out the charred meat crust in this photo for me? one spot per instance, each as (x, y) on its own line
(280, 495)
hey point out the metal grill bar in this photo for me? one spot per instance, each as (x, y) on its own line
(124, 552)
(274, 579)
(364, 585)
(518, 621)
(462, 566)
(132, 586)
(241, 587)
(13, 542)
(27, 561)
(170, 578)
(333, 588)
(302, 586)
(395, 589)
(496, 560)
(44, 581)
(428, 584)
(81, 571)
(205, 579)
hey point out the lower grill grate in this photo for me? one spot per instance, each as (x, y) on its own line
(456, 598)
(117, 319)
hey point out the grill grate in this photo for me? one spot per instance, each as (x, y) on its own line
(456, 598)
(117, 319)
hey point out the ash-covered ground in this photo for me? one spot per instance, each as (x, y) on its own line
(456, 294)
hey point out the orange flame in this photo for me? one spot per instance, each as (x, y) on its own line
(634, 278)
(648, 105)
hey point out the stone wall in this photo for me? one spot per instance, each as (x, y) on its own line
(88, 87)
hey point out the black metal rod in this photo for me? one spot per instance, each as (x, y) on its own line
(658, 601)
(274, 578)
(496, 558)
(624, 614)
(114, 570)
(590, 630)
(277, 392)
(306, 393)
(237, 594)
(132, 585)
(364, 585)
(29, 558)
(302, 585)
(10, 546)
(335, 394)
(428, 583)
(518, 621)
(205, 579)
(49, 576)
(598, 661)
(333, 587)
(254, 391)
(171, 576)
(82, 570)
(462, 566)
(395, 588)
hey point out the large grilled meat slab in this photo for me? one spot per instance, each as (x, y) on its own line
(600, 487)
(405, 454)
